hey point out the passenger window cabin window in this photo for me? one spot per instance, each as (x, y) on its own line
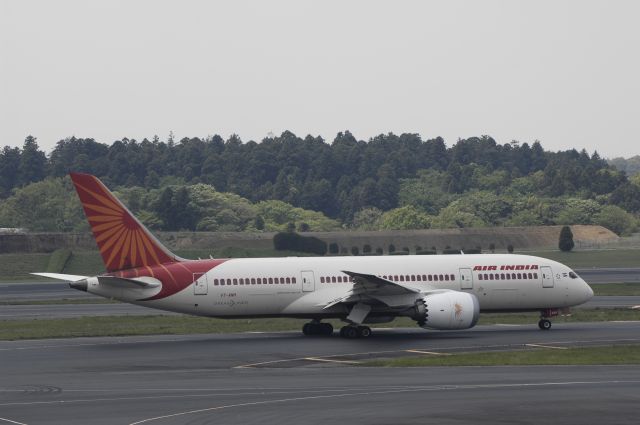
(430, 278)
(333, 279)
(446, 277)
(401, 278)
(530, 276)
(413, 277)
(235, 281)
(480, 276)
(519, 275)
(535, 275)
(288, 280)
(424, 277)
(513, 276)
(502, 276)
(419, 278)
(396, 278)
(215, 282)
(270, 281)
(321, 279)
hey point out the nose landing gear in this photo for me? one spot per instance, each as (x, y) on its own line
(545, 323)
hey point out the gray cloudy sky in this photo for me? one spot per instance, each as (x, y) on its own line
(564, 72)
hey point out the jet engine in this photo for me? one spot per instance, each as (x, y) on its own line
(447, 311)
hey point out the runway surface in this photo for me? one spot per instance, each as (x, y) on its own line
(284, 378)
(23, 291)
(59, 311)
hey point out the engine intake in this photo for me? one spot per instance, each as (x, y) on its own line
(447, 311)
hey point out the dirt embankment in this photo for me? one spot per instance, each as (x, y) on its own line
(540, 237)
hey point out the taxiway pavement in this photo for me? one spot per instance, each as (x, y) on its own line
(285, 378)
(59, 311)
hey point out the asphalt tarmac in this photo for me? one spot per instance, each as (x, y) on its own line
(285, 378)
(59, 311)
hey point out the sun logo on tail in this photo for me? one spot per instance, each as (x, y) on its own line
(122, 240)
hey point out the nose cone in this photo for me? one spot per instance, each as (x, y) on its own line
(588, 292)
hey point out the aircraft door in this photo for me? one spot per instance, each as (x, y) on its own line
(547, 277)
(308, 281)
(466, 279)
(201, 286)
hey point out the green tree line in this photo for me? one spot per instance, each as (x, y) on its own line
(388, 182)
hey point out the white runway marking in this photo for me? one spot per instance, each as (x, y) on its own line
(406, 390)
(173, 396)
(319, 359)
(546, 346)
(427, 352)
(12, 422)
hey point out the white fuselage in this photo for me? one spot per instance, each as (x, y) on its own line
(304, 286)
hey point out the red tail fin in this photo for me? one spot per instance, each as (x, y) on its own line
(123, 241)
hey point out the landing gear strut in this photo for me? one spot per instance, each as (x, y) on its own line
(352, 332)
(317, 328)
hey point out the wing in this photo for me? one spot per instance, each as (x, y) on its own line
(368, 287)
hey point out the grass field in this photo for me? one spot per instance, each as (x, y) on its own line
(624, 289)
(595, 258)
(624, 354)
(173, 325)
(16, 267)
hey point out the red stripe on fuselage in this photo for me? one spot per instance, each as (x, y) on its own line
(174, 276)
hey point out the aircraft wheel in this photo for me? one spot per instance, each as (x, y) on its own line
(307, 329)
(544, 324)
(349, 332)
(364, 331)
(326, 329)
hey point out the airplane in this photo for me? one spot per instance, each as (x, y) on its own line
(445, 292)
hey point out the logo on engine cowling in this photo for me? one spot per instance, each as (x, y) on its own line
(458, 311)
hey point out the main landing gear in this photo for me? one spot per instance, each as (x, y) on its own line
(352, 332)
(317, 328)
(349, 331)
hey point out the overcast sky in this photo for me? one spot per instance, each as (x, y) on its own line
(566, 73)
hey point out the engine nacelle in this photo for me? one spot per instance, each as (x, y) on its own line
(447, 311)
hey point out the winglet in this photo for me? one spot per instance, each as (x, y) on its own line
(123, 241)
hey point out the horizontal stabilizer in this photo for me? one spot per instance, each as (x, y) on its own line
(138, 282)
(59, 276)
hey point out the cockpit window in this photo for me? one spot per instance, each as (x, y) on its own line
(572, 275)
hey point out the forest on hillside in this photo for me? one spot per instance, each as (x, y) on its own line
(287, 182)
